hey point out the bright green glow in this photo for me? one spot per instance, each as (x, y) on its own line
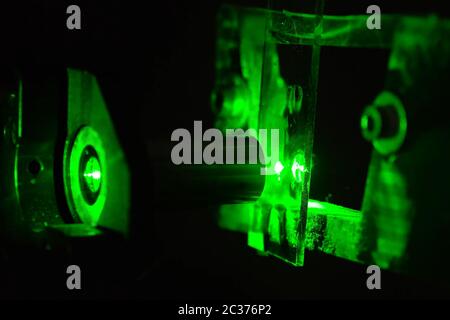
(312, 204)
(329, 209)
(92, 174)
(297, 169)
(87, 177)
(258, 97)
(382, 231)
(96, 175)
(278, 167)
(89, 124)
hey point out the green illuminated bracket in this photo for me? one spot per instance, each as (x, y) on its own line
(252, 92)
(96, 175)
(66, 167)
(276, 224)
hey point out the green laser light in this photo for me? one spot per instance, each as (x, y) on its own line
(297, 170)
(90, 175)
(278, 167)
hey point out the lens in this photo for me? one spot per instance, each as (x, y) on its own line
(90, 175)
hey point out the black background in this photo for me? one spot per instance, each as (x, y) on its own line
(155, 65)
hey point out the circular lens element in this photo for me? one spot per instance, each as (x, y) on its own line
(385, 123)
(371, 123)
(90, 174)
(86, 176)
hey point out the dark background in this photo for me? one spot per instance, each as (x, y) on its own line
(155, 65)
